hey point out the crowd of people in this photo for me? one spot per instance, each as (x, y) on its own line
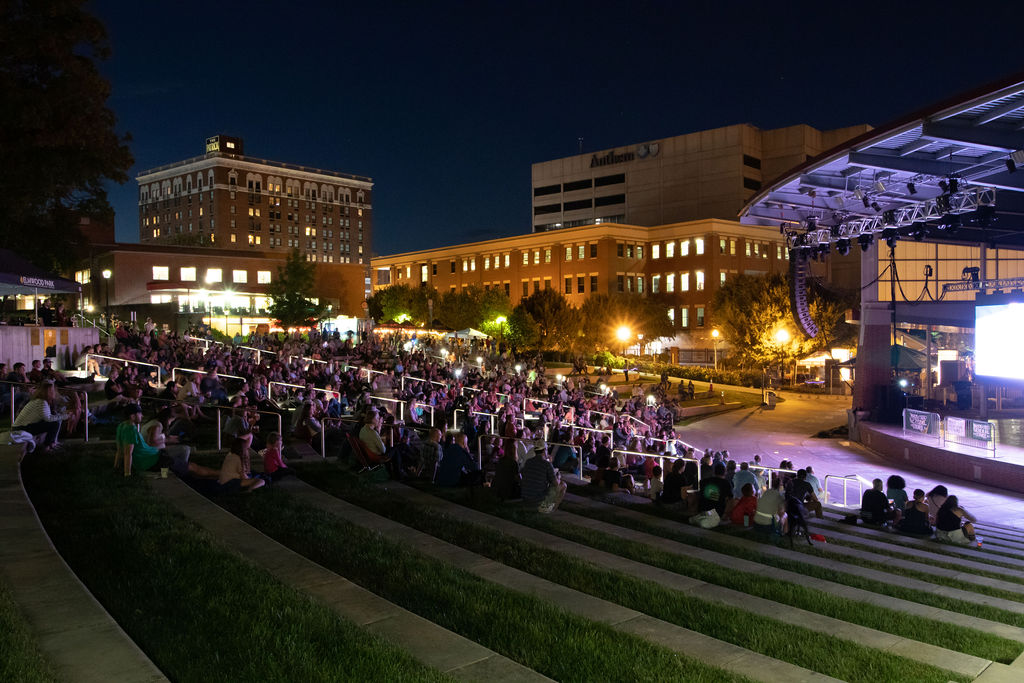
(459, 413)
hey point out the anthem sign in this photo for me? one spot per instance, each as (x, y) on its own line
(642, 152)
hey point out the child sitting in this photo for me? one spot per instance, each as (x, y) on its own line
(655, 485)
(273, 464)
(744, 511)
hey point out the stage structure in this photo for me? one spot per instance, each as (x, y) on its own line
(941, 184)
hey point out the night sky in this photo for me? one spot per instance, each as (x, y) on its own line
(446, 105)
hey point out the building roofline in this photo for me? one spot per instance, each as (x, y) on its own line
(575, 233)
(252, 160)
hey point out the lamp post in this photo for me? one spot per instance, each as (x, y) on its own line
(106, 287)
(714, 338)
(501, 320)
(623, 334)
(782, 337)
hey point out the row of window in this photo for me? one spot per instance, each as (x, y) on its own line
(578, 204)
(188, 274)
(585, 184)
(683, 319)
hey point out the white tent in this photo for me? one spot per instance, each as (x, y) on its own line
(468, 333)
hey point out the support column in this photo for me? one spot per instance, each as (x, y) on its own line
(874, 361)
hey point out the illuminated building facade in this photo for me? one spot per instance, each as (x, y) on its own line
(685, 262)
(234, 202)
(707, 174)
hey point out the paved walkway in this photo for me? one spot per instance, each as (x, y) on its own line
(431, 644)
(691, 643)
(958, 662)
(73, 631)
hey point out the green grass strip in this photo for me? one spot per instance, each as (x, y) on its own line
(709, 543)
(991, 555)
(522, 627)
(201, 613)
(772, 637)
(20, 658)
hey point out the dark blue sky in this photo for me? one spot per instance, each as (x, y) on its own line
(446, 105)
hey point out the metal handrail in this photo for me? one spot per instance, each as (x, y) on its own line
(159, 370)
(455, 418)
(92, 323)
(401, 404)
(85, 407)
(480, 450)
(203, 372)
(270, 384)
(420, 379)
(663, 460)
(846, 479)
(218, 409)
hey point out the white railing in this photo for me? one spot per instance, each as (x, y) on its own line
(174, 372)
(400, 403)
(847, 481)
(420, 379)
(85, 404)
(531, 442)
(270, 387)
(159, 370)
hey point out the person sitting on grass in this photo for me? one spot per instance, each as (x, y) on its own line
(715, 501)
(132, 449)
(915, 516)
(802, 490)
(953, 524)
(746, 507)
(234, 475)
(654, 484)
(770, 514)
(273, 464)
(542, 486)
(457, 467)
(895, 490)
(875, 508)
(507, 482)
(40, 417)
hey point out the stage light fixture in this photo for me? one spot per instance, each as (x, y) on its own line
(865, 241)
(866, 200)
(1011, 167)
(876, 206)
(858, 193)
(942, 203)
(944, 186)
(911, 188)
(889, 217)
(843, 247)
(824, 249)
(880, 186)
(954, 185)
(891, 236)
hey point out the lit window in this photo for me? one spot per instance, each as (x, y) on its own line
(408, 272)
(670, 249)
(536, 257)
(732, 247)
(655, 284)
(472, 263)
(188, 274)
(240, 276)
(161, 273)
(508, 258)
(684, 317)
(233, 238)
(263, 277)
(699, 245)
(721, 277)
(526, 258)
(487, 262)
(748, 247)
(580, 251)
(684, 282)
(699, 277)
(778, 252)
(465, 265)
(684, 248)
(700, 316)
(670, 282)
(672, 316)
(159, 298)
(721, 245)
(547, 255)
(655, 251)
(568, 253)
(214, 275)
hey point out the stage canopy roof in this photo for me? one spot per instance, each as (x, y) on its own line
(18, 276)
(954, 171)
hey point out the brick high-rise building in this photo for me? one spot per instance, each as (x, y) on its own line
(227, 200)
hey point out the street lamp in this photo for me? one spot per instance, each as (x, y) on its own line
(782, 337)
(500, 322)
(106, 287)
(714, 337)
(623, 334)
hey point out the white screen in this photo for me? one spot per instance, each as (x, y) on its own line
(998, 332)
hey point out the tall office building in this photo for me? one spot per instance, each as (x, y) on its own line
(708, 174)
(227, 200)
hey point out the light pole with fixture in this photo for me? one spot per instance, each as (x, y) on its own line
(714, 337)
(106, 287)
(782, 337)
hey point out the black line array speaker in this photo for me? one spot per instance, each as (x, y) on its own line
(799, 268)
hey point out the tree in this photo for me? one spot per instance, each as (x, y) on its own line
(602, 314)
(547, 308)
(290, 293)
(401, 303)
(56, 131)
(460, 309)
(750, 310)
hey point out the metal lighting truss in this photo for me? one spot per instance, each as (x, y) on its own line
(966, 201)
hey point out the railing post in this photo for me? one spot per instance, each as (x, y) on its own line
(86, 394)
(12, 406)
(218, 429)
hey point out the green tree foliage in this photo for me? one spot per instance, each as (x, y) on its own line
(829, 312)
(460, 309)
(57, 134)
(749, 311)
(548, 309)
(521, 331)
(602, 314)
(402, 303)
(290, 293)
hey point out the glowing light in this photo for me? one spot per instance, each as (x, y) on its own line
(107, 273)
(88, 309)
(623, 333)
(604, 388)
(479, 360)
(714, 333)
(782, 335)
(903, 383)
(519, 368)
(407, 345)
(458, 372)
(501, 320)
(402, 317)
(559, 378)
(650, 400)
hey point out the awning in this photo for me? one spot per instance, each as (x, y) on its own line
(19, 276)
